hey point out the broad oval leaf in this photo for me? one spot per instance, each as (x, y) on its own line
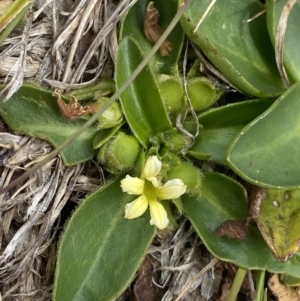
(221, 125)
(34, 112)
(133, 26)
(241, 50)
(142, 103)
(100, 250)
(279, 222)
(266, 153)
(225, 199)
(291, 55)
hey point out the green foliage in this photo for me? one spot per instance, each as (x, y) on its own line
(100, 250)
(241, 50)
(221, 125)
(224, 199)
(266, 151)
(291, 56)
(34, 111)
(279, 222)
(133, 24)
(142, 103)
(258, 139)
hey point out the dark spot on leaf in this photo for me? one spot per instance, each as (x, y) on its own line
(233, 229)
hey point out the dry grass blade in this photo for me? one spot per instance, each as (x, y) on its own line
(108, 26)
(279, 39)
(257, 15)
(54, 44)
(17, 80)
(209, 66)
(179, 256)
(31, 216)
(210, 6)
(205, 269)
(79, 33)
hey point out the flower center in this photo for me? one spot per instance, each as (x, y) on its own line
(150, 191)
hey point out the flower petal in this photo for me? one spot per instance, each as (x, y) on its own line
(155, 182)
(158, 214)
(151, 168)
(132, 185)
(136, 208)
(173, 189)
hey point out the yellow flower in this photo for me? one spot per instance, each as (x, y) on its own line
(150, 191)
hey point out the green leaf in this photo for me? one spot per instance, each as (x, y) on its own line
(100, 250)
(103, 87)
(133, 26)
(142, 103)
(221, 125)
(34, 112)
(225, 199)
(241, 50)
(279, 222)
(266, 153)
(290, 280)
(104, 135)
(291, 56)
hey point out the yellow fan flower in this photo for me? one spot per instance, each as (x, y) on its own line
(151, 191)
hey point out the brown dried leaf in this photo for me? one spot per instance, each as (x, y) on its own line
(256, 196)
(144, 289)
(233, 229)
(282, 291)
(4, 5)
(71, 110)
(225, 291)
(153, 31)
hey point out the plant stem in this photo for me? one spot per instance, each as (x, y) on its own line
(237, 283)
(260, 283)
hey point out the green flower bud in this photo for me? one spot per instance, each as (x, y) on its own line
(189, 174)
(172, 92)
(173, 140)
(202, 93)
(120, 153)
(112, 116)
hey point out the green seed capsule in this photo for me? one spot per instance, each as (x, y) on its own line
(111, 116)
(120, 153)
(172, 92)
(189, 174)
(202, 93)
(173, 140)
